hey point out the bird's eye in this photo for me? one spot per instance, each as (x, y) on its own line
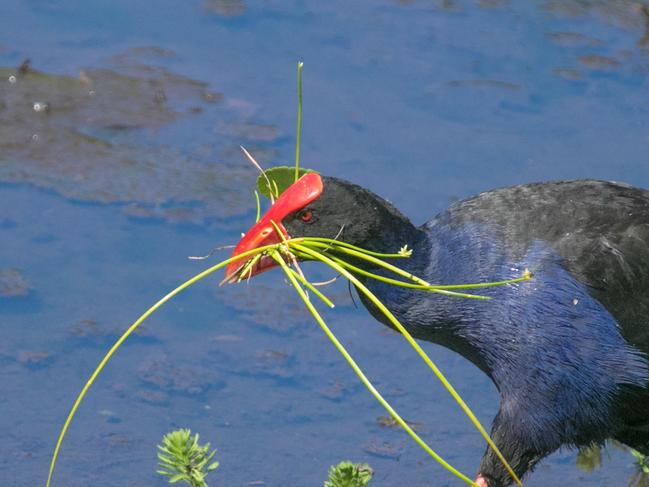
(306, 216)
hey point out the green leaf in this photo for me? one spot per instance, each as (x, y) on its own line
(280, 178)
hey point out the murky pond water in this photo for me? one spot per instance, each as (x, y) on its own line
(119, 157)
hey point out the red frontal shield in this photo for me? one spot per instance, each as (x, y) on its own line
(298, 195)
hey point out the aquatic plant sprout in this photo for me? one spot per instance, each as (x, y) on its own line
(182, 458)
(329, 252)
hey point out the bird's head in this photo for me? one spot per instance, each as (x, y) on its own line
(321, 206)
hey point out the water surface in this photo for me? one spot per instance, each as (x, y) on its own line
(119, 158)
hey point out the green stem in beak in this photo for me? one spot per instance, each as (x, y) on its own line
(377, 395)
(339, 243)
(298, 135)
(431, 288)
(438, 373)
(126, 334)
(310, 286)
(421, 284)
(315, 249)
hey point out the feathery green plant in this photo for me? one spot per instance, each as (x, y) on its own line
(348, 474)
(182, 458)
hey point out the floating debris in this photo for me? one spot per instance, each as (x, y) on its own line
(12, 283)
(33, 357)
(569, 74)
(390, 422)
(225, 8)
(383, 449)
(598, 62)
(275, 364)
(335, 391)
(85, 329)
(162, 373)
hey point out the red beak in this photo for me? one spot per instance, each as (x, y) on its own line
(298, 195)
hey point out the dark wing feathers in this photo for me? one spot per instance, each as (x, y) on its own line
(600, 229)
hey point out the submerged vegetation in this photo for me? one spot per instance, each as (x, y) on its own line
(641, 477)
(101, 126)
(642, 461)
(348, 474)
(590, 459)
(335, 254)
(182, 458)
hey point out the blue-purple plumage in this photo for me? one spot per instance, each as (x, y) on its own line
(566, 350)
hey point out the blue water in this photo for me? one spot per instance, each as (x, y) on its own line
(104, 196)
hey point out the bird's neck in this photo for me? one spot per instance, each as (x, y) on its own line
(426, 316)
(390, 230)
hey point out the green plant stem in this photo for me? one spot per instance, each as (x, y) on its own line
(339, 243)
(246, 270)
(298, 135)
(126, 334)
(370, 258)
(410, 285)
(422, 285)
(258, 216)
(430, 288)
(302, 246)
(442, 287)
(438, 373)
(312, 288)
(377, 395)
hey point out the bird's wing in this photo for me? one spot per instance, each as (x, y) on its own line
(599, 228)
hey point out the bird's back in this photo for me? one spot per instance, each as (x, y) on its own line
(600, 229)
